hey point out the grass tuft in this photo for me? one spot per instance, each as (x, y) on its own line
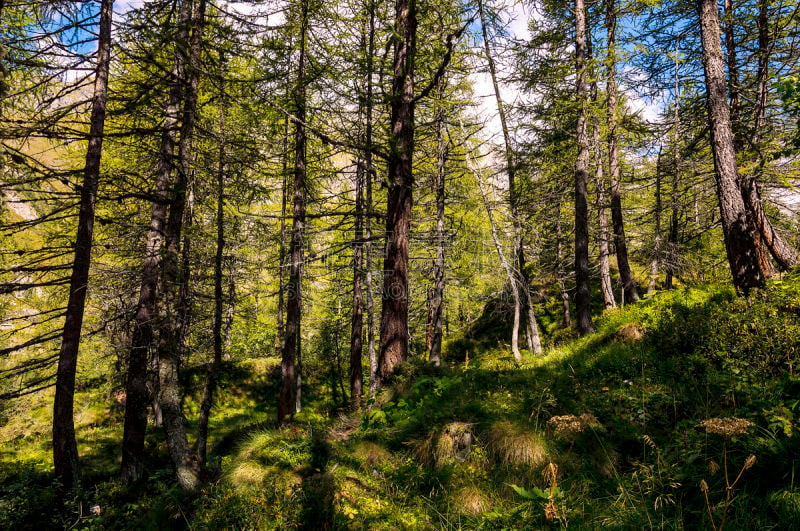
(515, 444)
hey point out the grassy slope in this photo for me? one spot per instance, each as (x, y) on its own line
(470, 445)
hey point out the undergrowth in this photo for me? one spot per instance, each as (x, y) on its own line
(609, 430)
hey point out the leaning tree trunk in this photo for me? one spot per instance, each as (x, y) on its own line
(512, 281)
(534, 341)
(620, 242)
(394, 310)
(137, 395)
(65, 448)
(287, 398)
(784, 254)
(748, 185)
(583, 294)
(739, 242)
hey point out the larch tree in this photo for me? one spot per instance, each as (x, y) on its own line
(739, 243)
(65, 449)
(583, 293)
(394, 297)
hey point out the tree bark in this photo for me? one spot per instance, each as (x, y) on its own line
(212, 374)
(672, 239)
(503, 261)
(394, 309)
(521, 276)
(65, 448)
(370, 170)
(784, 254)
(357, 322)
(560, 274)
(739, 242)
(290, 373)
(620, 243)
(583, 293)
(656, 259)
(170, 345)
(436, 302)
(606, 286)
(137, 395)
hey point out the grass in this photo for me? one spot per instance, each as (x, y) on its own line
(603, 430)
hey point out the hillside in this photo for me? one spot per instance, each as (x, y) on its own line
(616, 429)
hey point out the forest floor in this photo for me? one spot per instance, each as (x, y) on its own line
(610, 430)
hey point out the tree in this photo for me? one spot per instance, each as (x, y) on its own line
(394, 308)
(65, 449)
(620, 243)
(288, 399)
(583, 290)
(739, 243)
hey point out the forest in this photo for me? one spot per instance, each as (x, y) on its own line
(420, 264)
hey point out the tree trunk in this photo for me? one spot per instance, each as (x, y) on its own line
(560, 268)
(672, 241)
(733, 74)
(654, 263)
(503, 261)
(739, 242)
(65, 448)
(394, 310)
(606, 286)
(583, 295)
(280, 329)
(357, 323)
(170, 346)
(620, 242)
(436, 301)
(369, 169)
(521, 277)
(212, 375)
(137, 395)
(781, 251)
(290, 374)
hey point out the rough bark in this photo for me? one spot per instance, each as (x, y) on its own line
(287, 399)
(583, 290)
(620, 242)
(65, 449)
(739, 242)
(170, 345)
(137, 395)
(394, 309)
